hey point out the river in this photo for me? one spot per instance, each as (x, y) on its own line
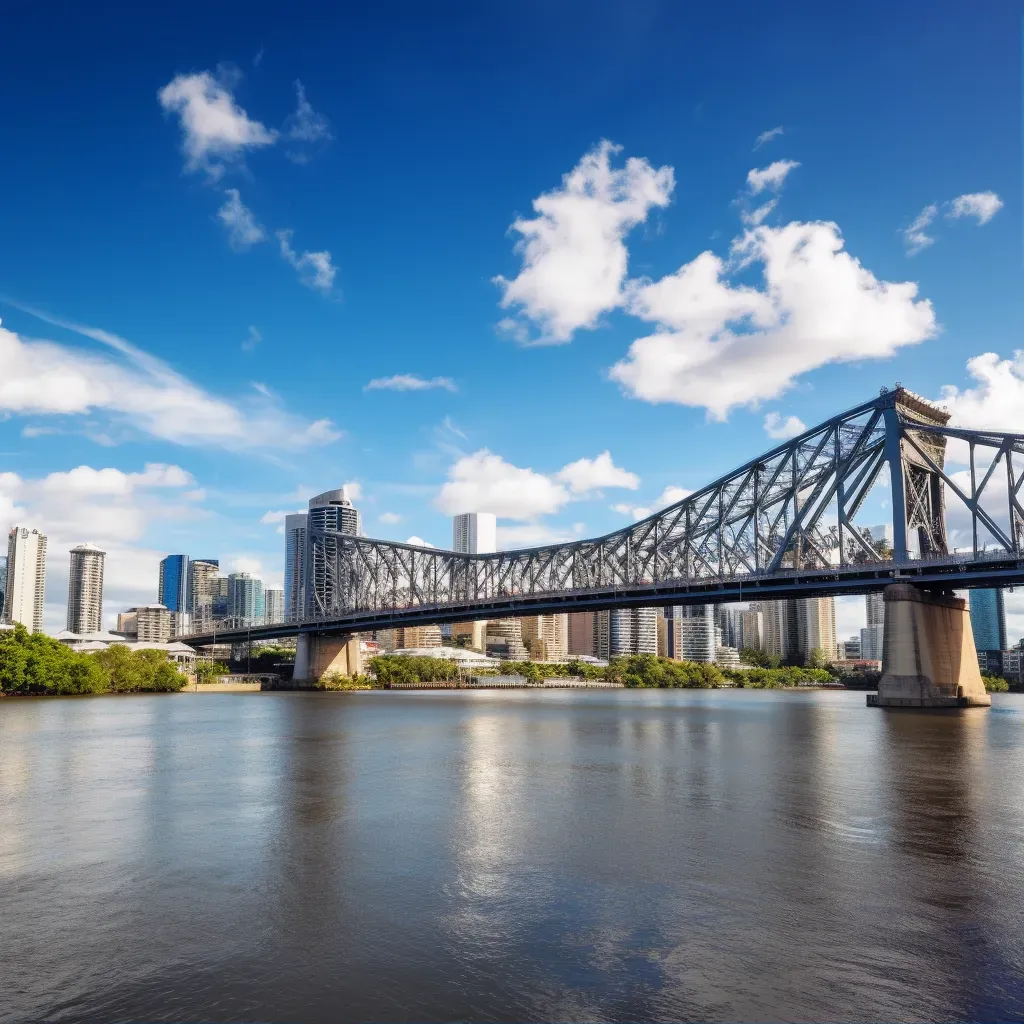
(519, 855)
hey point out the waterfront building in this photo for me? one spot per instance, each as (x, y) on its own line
(988, 619)
(273, 605)
(221, 588)
(751, 628)
(294, 565)
(85, 589)
(546, 636)
(245, 600)
(729, 624)
(871, 639)
(407, 637)
(128, 623)
(173, 588)
(817, 627)
(474, 533)
(202, 574)
(581, 633)
(694, 633)
(330, 513)
(152, 623)
(728, 657)
(623, 631)
(874, 606)
(505, 640)
(851, 648)
(25, 589)
(476, 632)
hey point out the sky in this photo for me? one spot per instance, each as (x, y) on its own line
(562, 262)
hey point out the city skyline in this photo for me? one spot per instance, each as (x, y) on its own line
(487, 368)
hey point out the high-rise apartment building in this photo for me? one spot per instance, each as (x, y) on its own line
(173, 589)
(475, 533)
(546, 636)
(202, 576)
(694, 635)
(623, 631)
(85, 589)
(505, 640)
(329, 514)
(874, 606)
(273, 604)
(988, 619)
(794, 629)
(152, 623)
(817, 627)
(245, 600)
(581, 633)
(751, 630)
(871, 642)
(294, 566)
(3, 584)
(25, 590)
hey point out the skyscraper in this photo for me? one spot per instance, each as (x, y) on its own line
(25, 590)
(581, 633)
(874, 605)
(752, 628)
(623, 631)
(273, 601)
(330, 513)
(3, 584)
(817, 627)
(294, 565)
(85, 589)
(546, 636)
(693, 632)
(173, 591)
(475, 533)
(202, 575)
(988, 620)
(245, 600)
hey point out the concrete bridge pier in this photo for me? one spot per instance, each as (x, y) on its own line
(316, 656)
(928, 659)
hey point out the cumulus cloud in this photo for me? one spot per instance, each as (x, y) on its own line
(635, 512)
(531, 535)
(409, 382)
(996, 399)
(982, 206)
(671, 495)
(216, 131)
(586, 475)
(778, 427)
(244, 231)
(140, 393)
(109, 507)
(573, 252)
(766, 137)
(315, 269)
(720, 344)
(419, 542)
(771, 176)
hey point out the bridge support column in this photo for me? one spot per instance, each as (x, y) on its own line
(316, 656)
(929, 659)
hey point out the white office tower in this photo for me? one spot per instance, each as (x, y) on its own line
(294, 566)
(623, 631)
(85, 589)
(26, 578)
(547, 637)
(273, 604)
(817, 627)
(475, 533)
(696, 636)
(874, 605)
(330, 514)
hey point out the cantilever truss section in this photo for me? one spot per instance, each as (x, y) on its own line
(792, 509)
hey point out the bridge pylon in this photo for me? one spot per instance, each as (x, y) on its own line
(318, 656)
(928, 659)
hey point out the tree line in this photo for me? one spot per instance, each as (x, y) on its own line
(36, 664)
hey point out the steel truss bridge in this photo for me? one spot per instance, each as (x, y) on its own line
(782, 526)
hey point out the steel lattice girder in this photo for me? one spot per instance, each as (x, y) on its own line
(793, 508)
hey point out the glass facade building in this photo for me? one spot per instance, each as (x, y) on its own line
(174, 583)
(988, 620)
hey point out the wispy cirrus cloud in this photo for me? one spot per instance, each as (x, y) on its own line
(314, 268)
(243, 230)
(765, 137)
(980, 207)
(410, 382)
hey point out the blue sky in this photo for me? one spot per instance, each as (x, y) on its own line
(205, 264)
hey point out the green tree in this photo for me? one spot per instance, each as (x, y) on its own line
(995, 684)
(759, 659)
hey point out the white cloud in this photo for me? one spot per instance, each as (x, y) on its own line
(982, 206)
(530, 535)
(109, 507)
(573, 252)
(315, 269)
(720, 345)
(244, 231)
(586, 475)
(767, 136)
(252, 339)
(216, 131)
(758, 214)
(484, 482)
(771, 176)
(353, 490)
(996, 401)
(635, 512)
(389, 518)
(779, 428)
(915, 236)
(306, 125)
(419, 542)
(140, 393)
(31, 431)
(671, 495)
(245, 563)
(409, 382)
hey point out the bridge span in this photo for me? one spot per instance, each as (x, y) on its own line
(783, 525)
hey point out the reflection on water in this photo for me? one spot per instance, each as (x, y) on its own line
(508, 856)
